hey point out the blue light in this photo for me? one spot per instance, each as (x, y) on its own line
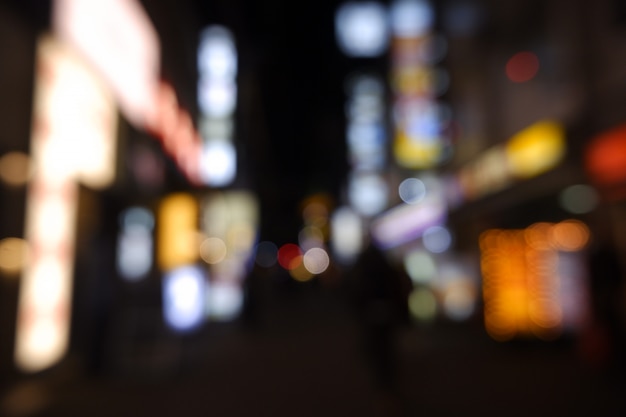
(184, 297)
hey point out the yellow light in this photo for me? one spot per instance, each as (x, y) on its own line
(536, 149)
(13, 255)
(177, 231)
(298, 271)
(15, 168)
(411, 153)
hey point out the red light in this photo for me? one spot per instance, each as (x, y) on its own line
(522, 67)
(606, 157)
(289, 256)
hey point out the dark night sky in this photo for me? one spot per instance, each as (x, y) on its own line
(291, 66)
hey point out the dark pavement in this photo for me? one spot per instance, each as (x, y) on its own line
(303, 356)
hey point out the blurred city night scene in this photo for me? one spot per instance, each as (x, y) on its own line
(355, 208)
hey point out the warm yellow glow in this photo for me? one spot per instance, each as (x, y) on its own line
(521, 278)
(298, 270)
(177, 231)
(411, 153)
(13, 255)
(536, 149)
(570, 235)
(76, 108)
(316, 211)
(15, 168)
(537, 236)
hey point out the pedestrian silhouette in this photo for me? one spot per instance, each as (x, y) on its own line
(381, 293)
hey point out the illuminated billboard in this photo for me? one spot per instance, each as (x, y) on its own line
(177, 232)
(117, 39)
(532, 284)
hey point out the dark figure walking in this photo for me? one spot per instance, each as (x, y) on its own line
(381, 293)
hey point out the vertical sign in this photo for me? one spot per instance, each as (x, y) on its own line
(73, 133)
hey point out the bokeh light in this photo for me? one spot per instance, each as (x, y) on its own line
(437, 239)
(530, 278)
(347, 234)
(310, 237)
(459, 301)
(412, 190)
(420, 266)
(570, 235)
(579, 199)
(298, 270)
(289, 256)
(422, 304)
(13, 255)
(368, 193)
(219, 162)
(213, 250)
(362, 29)
(184, 297)
(522, 67)
(316, 260)
(217, 55)
(15, 168)
(224, 300)
(411, 18)
(135, 243)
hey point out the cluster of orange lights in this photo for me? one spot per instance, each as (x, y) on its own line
(522, 279)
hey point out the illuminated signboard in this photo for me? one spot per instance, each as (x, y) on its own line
(230, 221)
(117, 39)
(530, 287)
(536, 149)
(217, 100)
(407, 222)
(419, 141)
(177, 233)
(73, 136)
(530, 152)
(184, 293)
(366, 138)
